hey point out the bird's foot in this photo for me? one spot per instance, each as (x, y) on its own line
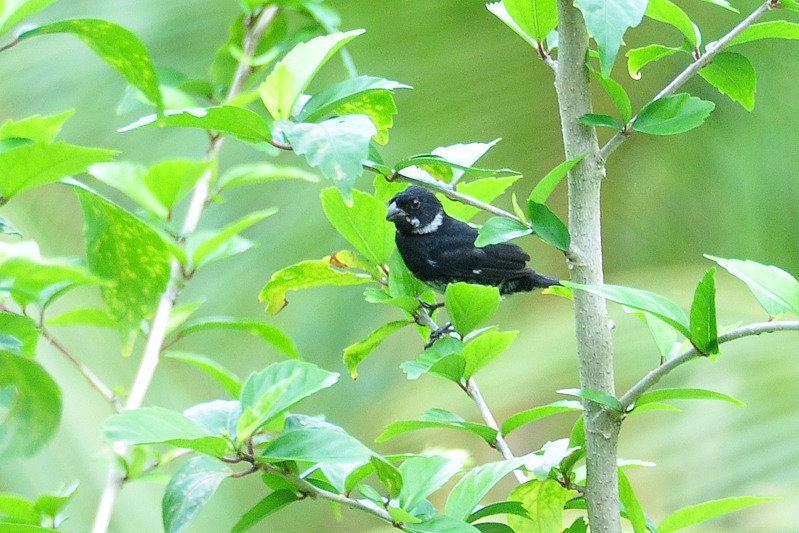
(443, 331)
(431, 307)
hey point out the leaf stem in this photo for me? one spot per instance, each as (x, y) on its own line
(655, 375)
(157, 332)
(701, 62)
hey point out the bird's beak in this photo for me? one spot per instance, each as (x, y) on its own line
(394, 212)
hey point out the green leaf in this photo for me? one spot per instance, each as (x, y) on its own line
(39, 280)
(17, 510)
(27, 528)
(240, 122)
(363, 223)
(189, 490)
(596, 396)
(354, 354)
(669, 13)
(773, 29)
(484, 348)
(273, 390)
(35, 128)
(694, 514)
(673, 114)
(422, 476)
(485, 189)
(544, 501)
(500, 229)
(530, 415)
(440, 524)
(291, 75)
(14, 11)
(501, 12)
(121, 248)
(638, 57)
(607, 20)
(32, 411)
(475, 485)
(83, 316)
(338, 147)
(129, 179)
(272, 503)
(208, 246)
(437, 418)
(470, 305)
(262, 172)
(515, 508)
(645, 301)
(18, 334)
(229, 381)
(596, 120)
(115, 45)
(619, 96)
(734, 75)
(267, 332)
(536, 17)
(704, 333)
(544, 188)
(317, 446)
(171, 180)
(776, 290)
(548, 226)
(684, 394)
(450, 163)
(379, 106)
(307, 274)
(635, 513)
(329, 99)
(32, 165)
(156, 425)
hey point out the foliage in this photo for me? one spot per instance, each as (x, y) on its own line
(140, 253)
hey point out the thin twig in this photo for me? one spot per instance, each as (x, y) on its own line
(96, 383)
(157, 333)
(689, 72)
(649, 380)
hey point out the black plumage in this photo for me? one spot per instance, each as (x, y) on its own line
(439, 249)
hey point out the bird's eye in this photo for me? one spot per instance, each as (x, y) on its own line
(415, 203)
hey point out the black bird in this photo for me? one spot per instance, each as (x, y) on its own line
(439, 249)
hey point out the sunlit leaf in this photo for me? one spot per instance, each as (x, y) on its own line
(304, 275)
(673, 114)
(262, 172)
(501, 12)
(775, 289)
(363, 223)
(18, 334)
(484, 348)
(423, 475)
(294, 72)
(205, 246)
(35, 128)
(14, 11)
(544, 502)
(684, 394)
(470, 305)
(607, 21)
(637, 58)
(317, 446)
(694, 514)
(245, 124)
(438, 418)
(115, 45)
(536, 17)
(269, 333)
(704, 333)
(189, 490)
(596, 396)
(594, 120)
(229, 381)
(31, 165)
(772, 29)
(485, 189)
(500, 229)
(734, 75)
(475, 485)
(669, 13)
(355, 354)
(530, 415)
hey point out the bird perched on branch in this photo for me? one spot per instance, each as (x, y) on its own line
(440, 250)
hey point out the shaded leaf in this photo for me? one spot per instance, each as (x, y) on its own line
(262, 172)
(440, 524)
(619, 96)
(637, 58)
(32, 410)
(500, 229)
(548, 226)
(115, 45)
(485, 189)
(83, 316)
(316, 446)
(363, 223)
(772, 29)
(544, 502)
(35, 128)
(484, 348)
(498, 508)
(632, 507)
(271, 504)
(673, 114)
(607, 21)
(18, 334)
(596, 396)
(327, 100)
(501, 12)
(536, 17)
(669, 13)
(544, 188)
(422, 476)
(775, 289)
(229, 381)
(684, 394)
(437, 418)
(475, 485)
(13, 12)
(704, 333)
(208, 246)
(267, 332)
(189, 490)
(594, 120)
(338, 147)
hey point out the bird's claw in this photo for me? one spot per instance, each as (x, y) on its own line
(431, 307)
(443, 331)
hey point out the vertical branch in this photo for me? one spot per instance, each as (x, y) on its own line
(594, 345)
(155, 340)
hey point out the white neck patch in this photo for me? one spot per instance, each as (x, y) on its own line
(431, 227)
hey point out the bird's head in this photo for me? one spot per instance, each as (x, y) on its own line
(415, 210)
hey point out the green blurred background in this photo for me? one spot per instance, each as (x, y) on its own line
(729, 188)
